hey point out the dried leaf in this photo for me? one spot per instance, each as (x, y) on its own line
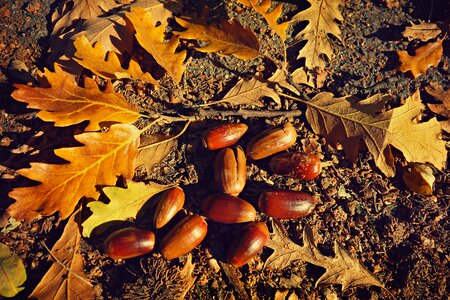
(423, 31)
(348, 121)
(186, 275)
(425, 57)
(321, 17)
(300, 76)
(443, 108)
(229, 39)
(419, 178)
(93, 58)
(279, 77)
(271, 17)
(151, 38)
(340, 269)
(153, 149)
(12, 272)
(124, 203)
(68, 281)
(104, 156)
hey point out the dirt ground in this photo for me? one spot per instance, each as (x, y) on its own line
(401, 237)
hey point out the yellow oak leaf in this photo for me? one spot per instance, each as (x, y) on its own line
(151, 38)
(271, 17)
(65, 103)
(229, 39)
(125, 203)
(321, 16)
(425, 57)
(93, 58)
(104, 156)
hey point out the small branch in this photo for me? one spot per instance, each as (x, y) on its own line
(169, 139)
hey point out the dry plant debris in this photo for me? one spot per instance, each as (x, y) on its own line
(423, 31)
(443, 108)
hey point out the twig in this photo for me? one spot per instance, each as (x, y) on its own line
(169, 139)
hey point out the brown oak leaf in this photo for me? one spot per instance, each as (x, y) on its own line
(443, 108)
(423, 31)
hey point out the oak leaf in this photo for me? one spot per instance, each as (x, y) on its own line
(65, 103)
(104, 156)
(321, 16)
(425, 57)
(66, 278)
(151, 38)
(271, 17)
(340, 269)
(443, 108)
(93, 58)
(230, 39)
(124, 203)
(348, 122)
(423, 31)
(12, 272)
(153, 149)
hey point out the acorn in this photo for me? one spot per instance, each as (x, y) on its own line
(248, 243)
(284, 204)
(271, 141)
(228, 209)
(223, 135)
(297, 165)
(129, 242)
(184, 237)
(169, 204)
(230, 171)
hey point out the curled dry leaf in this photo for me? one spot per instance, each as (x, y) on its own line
(62, 101)
(443, 108)
(93, 58)
(423, 31)
(419, 178)
(12, 272)
(104, 156)
(425, 57)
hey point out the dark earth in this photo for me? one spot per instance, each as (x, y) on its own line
(400, 236)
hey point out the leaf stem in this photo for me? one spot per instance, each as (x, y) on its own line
(169, 139)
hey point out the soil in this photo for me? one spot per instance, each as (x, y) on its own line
(400, 236)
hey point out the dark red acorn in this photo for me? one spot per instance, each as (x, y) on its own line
(129, 242)
(284, 204)
(223, 135)
(298, 165)
(230, 173)
(228, 209)
(171, 202)
(248, 243)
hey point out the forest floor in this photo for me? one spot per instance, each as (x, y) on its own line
(401, 237)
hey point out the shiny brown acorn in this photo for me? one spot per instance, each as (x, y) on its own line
(248, 243)
(169, 204)
(271, 141)
(230, 171)
(129, 242)
(228, 209)
(223, 135)
(184, 237)
(298, 165)
(284, 204)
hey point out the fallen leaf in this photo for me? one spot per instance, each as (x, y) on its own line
(285, 295)
(124, 203)
(348, 121)
(271, 17)
(443, 108)
(300, 76)
(425, 57)
(65, 103)
(67, 281)
(279, 77)
(151, 38)
(186, 275)
(423, 31)
(12, 272)
(229, 39)
(153, 149)
(93, 58)
(321, 16)
(104, 156)
(340, 269)
(419, 178)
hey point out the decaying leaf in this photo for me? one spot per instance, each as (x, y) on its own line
(425, 57)
(231, 38)
(124, 203)
(153, 149)
(65, 103)
(67, 281)
(12, 272)
(271, 17)
(300, 76)
(423, 31)
(443, 108)
(419, 178)
(93, 58)
(340, 269)
(104, 156)
(348, 122)
(321, 18)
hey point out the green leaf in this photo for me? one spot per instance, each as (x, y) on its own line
(12, 272)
